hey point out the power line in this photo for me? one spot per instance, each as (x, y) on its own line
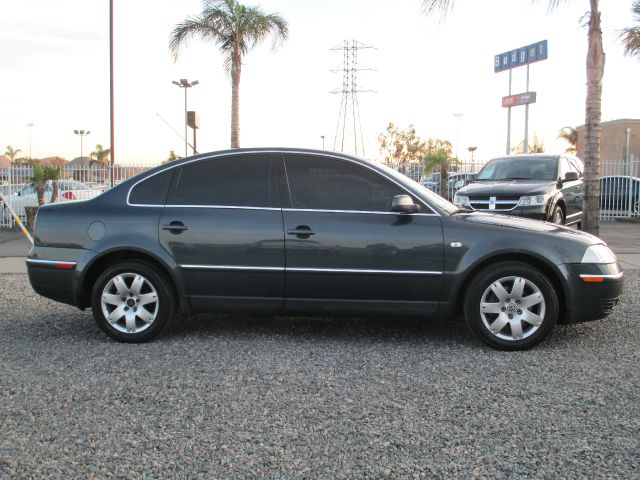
(348, 137)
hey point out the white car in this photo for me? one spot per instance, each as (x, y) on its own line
(68, 190)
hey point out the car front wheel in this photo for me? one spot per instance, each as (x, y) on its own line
(511, 306)
(132, 301)
(558, 216)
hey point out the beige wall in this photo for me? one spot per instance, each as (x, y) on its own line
(613, 139)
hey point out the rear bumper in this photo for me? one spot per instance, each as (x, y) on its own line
(594, 291)
(52, 282)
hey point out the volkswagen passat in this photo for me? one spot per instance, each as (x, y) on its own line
(299, 231)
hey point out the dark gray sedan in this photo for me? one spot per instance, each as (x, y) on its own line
(289, 231)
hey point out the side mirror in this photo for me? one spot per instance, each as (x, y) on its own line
(571, 176)
(403, 204)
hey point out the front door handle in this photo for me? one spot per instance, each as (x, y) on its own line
(175, 227)
(301, 231)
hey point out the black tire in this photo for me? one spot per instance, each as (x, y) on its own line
(484, 311)
(558, 216)
(133, 322)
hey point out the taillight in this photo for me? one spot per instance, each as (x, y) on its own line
(69, 195)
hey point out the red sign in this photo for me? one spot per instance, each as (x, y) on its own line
(519, 99)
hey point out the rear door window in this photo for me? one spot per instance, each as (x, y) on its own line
(235, 181)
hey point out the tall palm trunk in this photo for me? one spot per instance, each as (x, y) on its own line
(595, 71)
(236, 69)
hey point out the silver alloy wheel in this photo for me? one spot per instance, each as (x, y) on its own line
(512, 308)
(129, 303)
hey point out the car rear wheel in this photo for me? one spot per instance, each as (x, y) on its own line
(558, 216)
(133, 301)
(511, 306)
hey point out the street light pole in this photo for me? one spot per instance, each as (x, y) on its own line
(322, 137)
(458, 117)
(81, 134)
(184, 83)
(30, 125)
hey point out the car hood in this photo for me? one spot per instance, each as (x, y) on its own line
(520, 223)
(508, 187)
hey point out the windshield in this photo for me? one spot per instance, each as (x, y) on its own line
(520, 168)
(426, 195)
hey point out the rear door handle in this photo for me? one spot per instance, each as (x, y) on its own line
(175, 227)
(301, 231)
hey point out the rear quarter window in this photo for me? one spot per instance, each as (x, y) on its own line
(152, 191)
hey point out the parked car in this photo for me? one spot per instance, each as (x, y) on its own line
(455, 181)
(431, 181)
(287, 231)
(620, 193)
(68, 190)
(538, 186)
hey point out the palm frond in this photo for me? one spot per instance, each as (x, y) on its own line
(630, 37)
(443, 6)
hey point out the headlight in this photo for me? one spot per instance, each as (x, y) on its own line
(461, 200)
(531, 200)
(598, 254)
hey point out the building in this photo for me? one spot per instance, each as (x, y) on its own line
(613, 140)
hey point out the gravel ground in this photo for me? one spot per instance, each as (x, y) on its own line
(237, 397)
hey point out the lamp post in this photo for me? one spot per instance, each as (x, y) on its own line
(458, 117)
(472, 150)
(30, 125)
(81, 134)
(184, 83)
(322, 137)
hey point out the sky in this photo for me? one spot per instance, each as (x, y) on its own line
(54, 56)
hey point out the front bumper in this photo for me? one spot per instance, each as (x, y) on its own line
(593, 289)
(535, 212)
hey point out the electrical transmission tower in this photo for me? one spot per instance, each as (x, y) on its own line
(348, 136)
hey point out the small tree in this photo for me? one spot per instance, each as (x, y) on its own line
(41, 175)
(438, 155)
(569, 135)
(173, 156)
(12, 153)
(536, 147)
(399, 147)
(100, 156)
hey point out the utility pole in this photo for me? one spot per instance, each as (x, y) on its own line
(30, 125)
(349, 126)
(184, 83)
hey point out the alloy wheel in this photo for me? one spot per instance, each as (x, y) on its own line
(512, 308)
(130, 303)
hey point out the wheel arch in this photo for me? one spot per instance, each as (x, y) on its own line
(554, 276)
(557, 202)
(99, 264)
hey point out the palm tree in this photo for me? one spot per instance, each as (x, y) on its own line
(439, 156)
(236, 29)
(100, 156)
(595, 71)
(12, 153)
(569, 135)
(631, 36)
